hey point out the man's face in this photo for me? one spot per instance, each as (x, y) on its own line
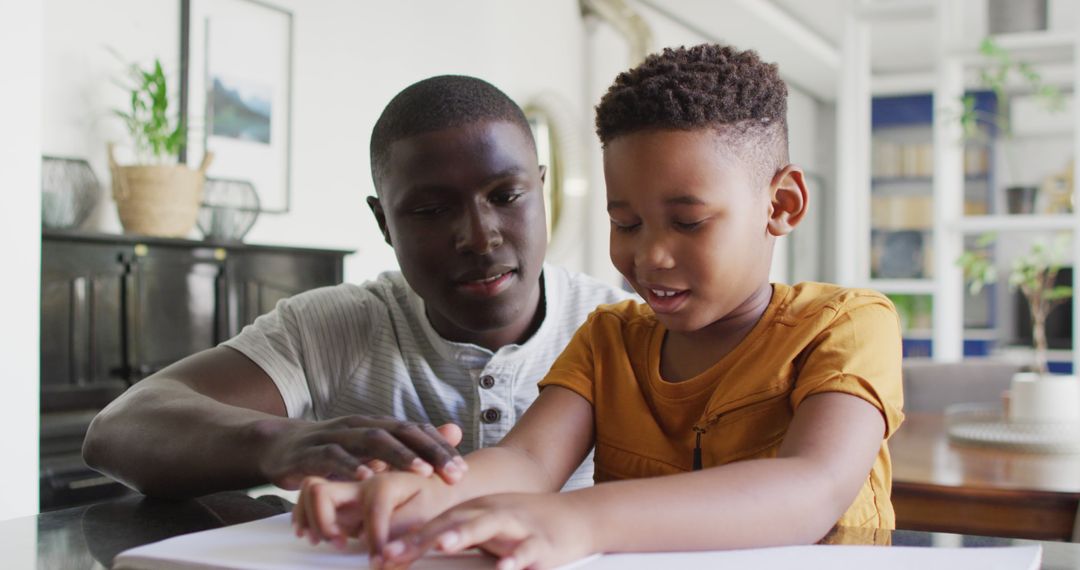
(464, 210)
(689, 228)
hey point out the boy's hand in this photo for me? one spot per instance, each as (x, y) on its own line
(522, 530)
(381, 507)
(354, 447)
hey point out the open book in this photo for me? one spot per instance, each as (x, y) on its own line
(269, 544)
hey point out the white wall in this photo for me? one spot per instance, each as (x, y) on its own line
(350, 58)
(20, 60)
(80, 75)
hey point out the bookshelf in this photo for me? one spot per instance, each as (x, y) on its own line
(919, 195)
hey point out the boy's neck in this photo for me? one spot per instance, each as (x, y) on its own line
(684, 355)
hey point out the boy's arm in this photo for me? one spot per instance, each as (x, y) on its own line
(793, 499)
(215, 421)
(796, 498)
(541, 451)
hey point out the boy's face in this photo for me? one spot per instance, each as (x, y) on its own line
(689, 227)
(464, 211)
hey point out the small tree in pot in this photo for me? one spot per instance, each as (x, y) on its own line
(157, 196)
(1034, 273)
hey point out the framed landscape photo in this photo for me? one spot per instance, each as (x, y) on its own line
(236, 92)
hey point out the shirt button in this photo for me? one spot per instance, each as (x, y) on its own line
(490, 416)
(487, 381)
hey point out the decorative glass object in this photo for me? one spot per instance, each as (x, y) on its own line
(229, 209)
(69, 191)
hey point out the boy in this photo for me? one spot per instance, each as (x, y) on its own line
(459, 337)
(728, 412)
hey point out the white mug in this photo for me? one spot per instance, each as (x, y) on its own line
(1036, 398)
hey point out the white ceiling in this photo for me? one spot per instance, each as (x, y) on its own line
(898, 44)
(805, 36)
(807, 60)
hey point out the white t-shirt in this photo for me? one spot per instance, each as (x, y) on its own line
(370, 350)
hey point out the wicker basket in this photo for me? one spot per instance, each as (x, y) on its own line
(158, 200)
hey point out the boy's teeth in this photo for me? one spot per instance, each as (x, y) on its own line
(659, 293)
(490, 279)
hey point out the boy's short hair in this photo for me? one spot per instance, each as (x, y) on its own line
(437, 103)
(706, 86)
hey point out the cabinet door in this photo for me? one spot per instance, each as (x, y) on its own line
(259, 279)
(173, 306)
(81, 291)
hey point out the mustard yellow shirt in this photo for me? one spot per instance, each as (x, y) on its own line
(813, 338)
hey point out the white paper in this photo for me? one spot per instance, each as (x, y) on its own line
(269, 544)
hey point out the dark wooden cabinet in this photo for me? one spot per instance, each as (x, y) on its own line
(117, 308)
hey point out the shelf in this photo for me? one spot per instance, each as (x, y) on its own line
(1017, 223)
(1039, 46)
(889, 180)
(969, 334)
(1022, 354)
(903, 286)
(1031, 47)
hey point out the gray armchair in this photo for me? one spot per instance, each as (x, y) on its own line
(932, 386)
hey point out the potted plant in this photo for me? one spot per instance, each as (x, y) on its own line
(978, 124)
(156, 196)
(1036, 396)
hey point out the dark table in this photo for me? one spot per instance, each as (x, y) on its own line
(91, 536)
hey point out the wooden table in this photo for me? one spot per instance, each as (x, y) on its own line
(943, 486)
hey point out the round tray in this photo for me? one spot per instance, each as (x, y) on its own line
(985, 425)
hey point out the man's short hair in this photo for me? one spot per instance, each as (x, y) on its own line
(437, 103)
(707, 86)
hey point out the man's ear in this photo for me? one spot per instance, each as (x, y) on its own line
(380, 217)
(543, 174)
(788, 200)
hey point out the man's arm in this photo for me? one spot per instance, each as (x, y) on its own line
(216, 421)
(538, 455)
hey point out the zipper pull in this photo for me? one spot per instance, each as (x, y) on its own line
(697, 449)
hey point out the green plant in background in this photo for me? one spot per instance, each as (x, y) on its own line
(1034, 273)
(996, 76)
(915, 311)
(155, 137)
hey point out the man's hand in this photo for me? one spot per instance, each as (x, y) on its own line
(354, 447)
(521, 530)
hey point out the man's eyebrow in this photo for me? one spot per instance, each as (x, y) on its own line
(505, 173)
(429, 189)
(509, 172)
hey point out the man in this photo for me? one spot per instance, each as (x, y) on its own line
(344, 380)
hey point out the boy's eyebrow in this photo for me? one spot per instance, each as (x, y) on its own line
(616, 205)
(686, 200)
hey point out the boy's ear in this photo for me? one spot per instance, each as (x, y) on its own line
(543, 174)
(788, 200)
(380, 217)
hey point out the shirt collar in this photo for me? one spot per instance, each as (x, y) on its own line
(475, 356)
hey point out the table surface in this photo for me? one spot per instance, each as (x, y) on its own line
(922, 453)
(939, 485)
(91, 536)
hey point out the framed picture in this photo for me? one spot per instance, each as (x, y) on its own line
(236, 92)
